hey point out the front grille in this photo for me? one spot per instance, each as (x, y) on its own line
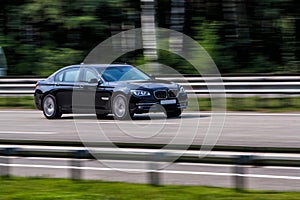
(160, 94)
(172, 93)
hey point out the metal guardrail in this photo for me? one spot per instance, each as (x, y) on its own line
(239, 86)
(61, 143)
(17, 86)
(239, 160)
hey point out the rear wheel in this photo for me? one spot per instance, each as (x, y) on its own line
(120, 108)
(174, 113)
(50, 108)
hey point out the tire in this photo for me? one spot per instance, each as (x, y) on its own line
(50, 108)
(120, 108)
(174, 113)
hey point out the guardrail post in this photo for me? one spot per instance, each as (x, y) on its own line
(240, 170)
(5, 160)
(76, 165)
(154, 176)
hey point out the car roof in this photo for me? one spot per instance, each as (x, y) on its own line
(91, 66)
(100, 65)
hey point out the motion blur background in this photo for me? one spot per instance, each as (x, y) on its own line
(242, 36)
(255, 45)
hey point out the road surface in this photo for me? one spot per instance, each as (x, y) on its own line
(239, 128)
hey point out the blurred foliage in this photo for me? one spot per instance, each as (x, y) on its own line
(207, 34)
(259, 36)
(253, 104)
(17, 102)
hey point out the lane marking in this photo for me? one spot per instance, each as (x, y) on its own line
(203, 165)
(161, 171)
(129, 122)
(278, 167)
(184, 113)
(28, 132)
(240, 114)
(20, 111)
(42, 158)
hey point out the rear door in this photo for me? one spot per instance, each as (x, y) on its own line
(65, 82)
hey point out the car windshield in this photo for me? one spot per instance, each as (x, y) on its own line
(122, 73)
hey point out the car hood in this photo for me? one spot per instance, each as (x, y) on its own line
(145, 84)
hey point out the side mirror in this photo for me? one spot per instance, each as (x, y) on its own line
(100, 81)
(152, 76)
(93, 80)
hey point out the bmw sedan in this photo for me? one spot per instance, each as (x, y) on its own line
(118, 89)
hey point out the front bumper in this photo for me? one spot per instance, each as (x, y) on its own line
(138, 105)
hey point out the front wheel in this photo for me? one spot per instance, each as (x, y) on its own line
(174, 113)
(120, 108)
(50, 108)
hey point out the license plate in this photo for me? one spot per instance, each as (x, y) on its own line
(171, 101)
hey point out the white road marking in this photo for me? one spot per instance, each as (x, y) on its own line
(21, 111)
(184, 113)
(129, 122)
(29, 132)
(161, 171)
(39, 147)
(203, 165)
(228, 165)
(278, 167)
(241, 114)
(44, 158)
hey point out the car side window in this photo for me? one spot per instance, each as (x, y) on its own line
(59, 77)
(69, 75)
(89, 75)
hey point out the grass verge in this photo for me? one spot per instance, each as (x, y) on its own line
(254, 104)
(38, 188)
(17, 102)
(257, 104)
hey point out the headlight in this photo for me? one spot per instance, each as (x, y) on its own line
(181, 89)
(140, 93)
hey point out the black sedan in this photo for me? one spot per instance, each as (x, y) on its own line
(122, 90)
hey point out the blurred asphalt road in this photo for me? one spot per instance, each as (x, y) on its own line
(240, 128)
